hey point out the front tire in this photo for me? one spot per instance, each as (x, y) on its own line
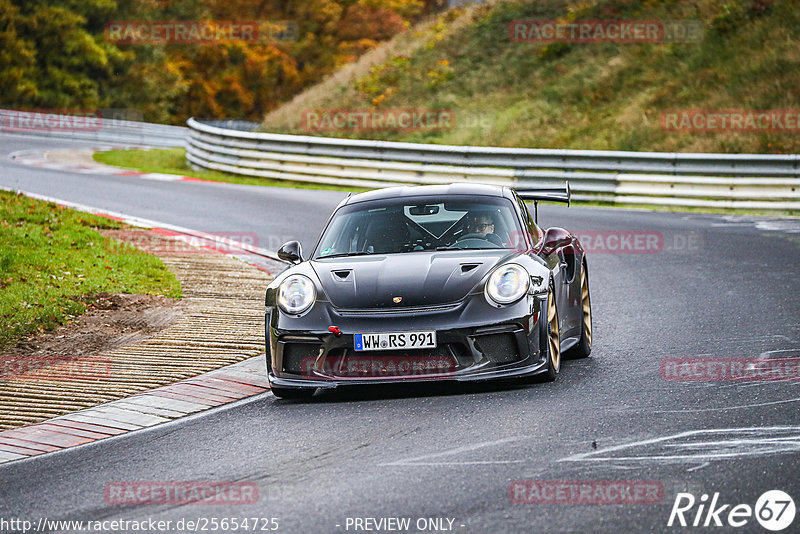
(553, 338)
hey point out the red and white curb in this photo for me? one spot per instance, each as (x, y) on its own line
(38, 158)
(161, 405)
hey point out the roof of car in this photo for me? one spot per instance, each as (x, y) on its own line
(432, 190)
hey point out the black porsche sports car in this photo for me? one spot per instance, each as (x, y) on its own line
(453, 282)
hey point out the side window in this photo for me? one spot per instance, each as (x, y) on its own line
(532, 228)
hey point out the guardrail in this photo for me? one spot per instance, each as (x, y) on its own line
(106, 129)
(742, 181)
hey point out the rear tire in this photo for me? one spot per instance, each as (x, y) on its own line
(584, 346)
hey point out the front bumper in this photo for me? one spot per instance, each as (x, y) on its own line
(475, 341)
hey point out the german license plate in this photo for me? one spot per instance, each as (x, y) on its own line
(395, 341)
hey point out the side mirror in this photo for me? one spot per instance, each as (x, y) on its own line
(291, 252)
(555, 238)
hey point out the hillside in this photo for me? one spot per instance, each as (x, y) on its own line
(589, 95)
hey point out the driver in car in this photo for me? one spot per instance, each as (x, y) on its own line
(483, 224)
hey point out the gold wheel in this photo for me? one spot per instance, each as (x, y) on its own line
(553, 335)
(587, 308)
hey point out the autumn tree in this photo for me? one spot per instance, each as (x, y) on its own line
(54, 54)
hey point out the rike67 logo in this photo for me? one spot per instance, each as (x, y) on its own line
(774, 510)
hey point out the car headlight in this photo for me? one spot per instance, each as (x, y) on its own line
(296, 294)
(508, 284)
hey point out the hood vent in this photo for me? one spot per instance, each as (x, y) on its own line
(342, 274)
(467, 267)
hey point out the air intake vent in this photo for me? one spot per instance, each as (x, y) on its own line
(467, 267)
(296, 355)
(499, 348)
(343, 274)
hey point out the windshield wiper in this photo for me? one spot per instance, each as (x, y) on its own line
(342, 255)
(468, 248)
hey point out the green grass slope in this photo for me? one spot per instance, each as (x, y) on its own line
(53, 262)
(578, 95)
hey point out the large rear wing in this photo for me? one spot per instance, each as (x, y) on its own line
(545, 194)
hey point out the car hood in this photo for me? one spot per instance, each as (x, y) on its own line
(419, 278)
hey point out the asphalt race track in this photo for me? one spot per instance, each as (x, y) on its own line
(714, 286)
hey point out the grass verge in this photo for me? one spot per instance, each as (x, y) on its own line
(52, 260)
(173, 161)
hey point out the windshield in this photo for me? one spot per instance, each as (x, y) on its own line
(421, 223)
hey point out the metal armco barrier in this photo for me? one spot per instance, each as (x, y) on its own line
(106, 129)
(743, 181)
